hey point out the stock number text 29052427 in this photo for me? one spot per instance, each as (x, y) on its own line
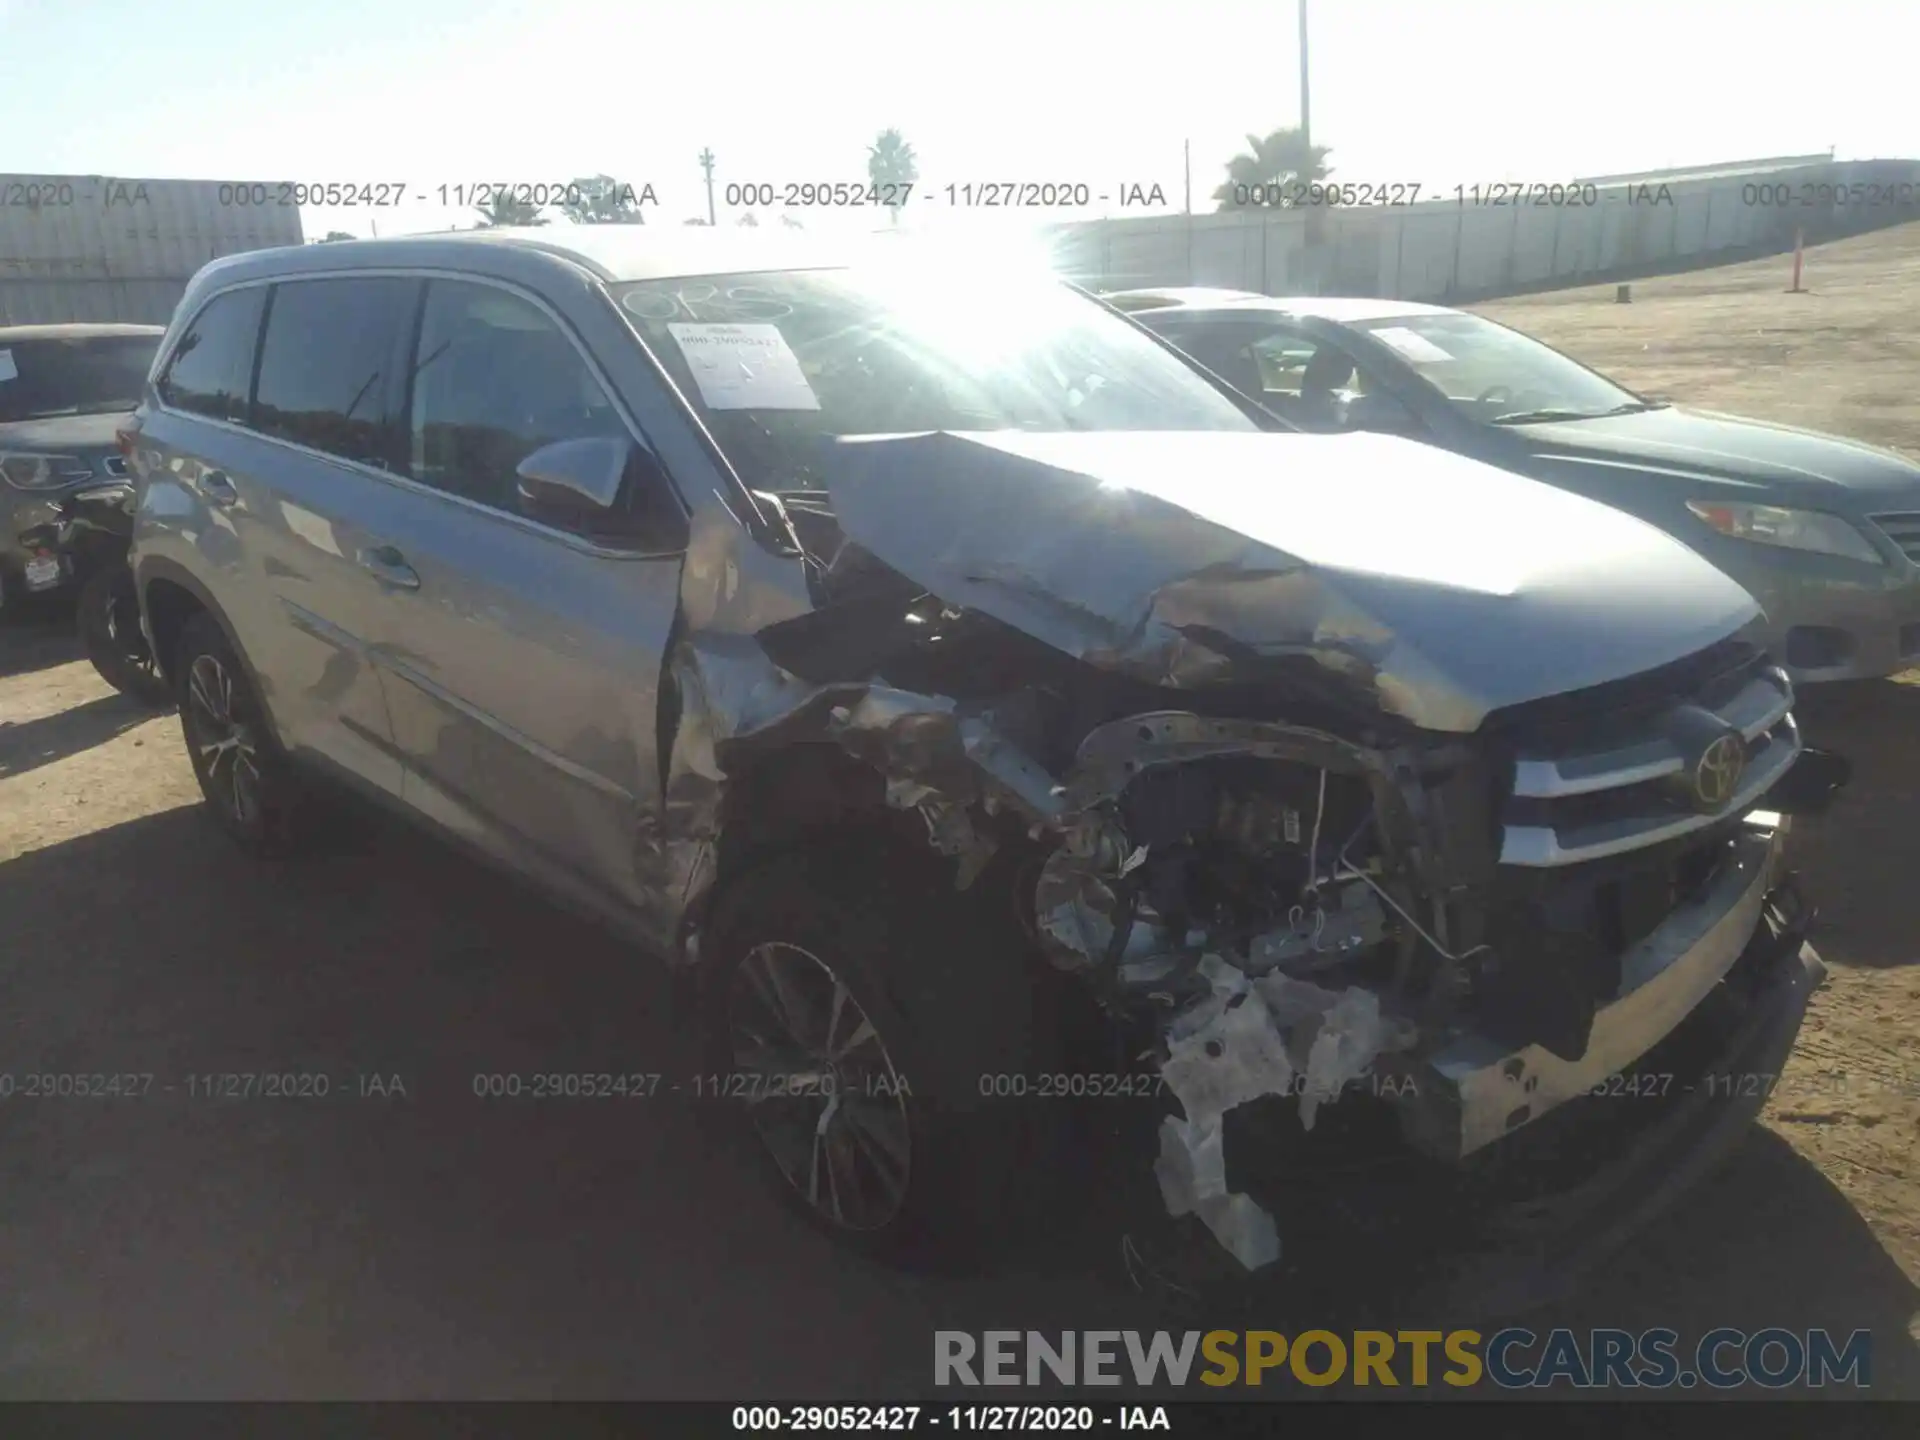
(817, 194)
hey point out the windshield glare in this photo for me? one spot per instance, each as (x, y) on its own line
(1491, 372)
(780, 364)
(81, 376)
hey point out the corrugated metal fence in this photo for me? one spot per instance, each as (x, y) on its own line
(1613, 227)
(89, 247)
(93, 247)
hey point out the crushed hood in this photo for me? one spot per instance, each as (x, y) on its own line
(1445, 587)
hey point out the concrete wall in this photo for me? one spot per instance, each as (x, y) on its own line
(90, 247)
(1454, 249)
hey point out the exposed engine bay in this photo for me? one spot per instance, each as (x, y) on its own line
(1247, 901)
(1287, 905)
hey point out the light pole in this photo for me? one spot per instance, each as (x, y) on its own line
(1306, 119)
(706, 165)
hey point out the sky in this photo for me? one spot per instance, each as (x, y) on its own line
(429, 93)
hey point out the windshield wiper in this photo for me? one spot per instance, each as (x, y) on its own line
(1529, 417)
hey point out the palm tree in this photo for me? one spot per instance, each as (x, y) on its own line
(706, 166)
(602, 200)
(748, 219)
(892, 168)
(503, 209)
(1281, 159)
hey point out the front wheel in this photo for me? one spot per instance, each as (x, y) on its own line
(858, 1011)
(109, 621)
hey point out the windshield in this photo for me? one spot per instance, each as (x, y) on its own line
(1496, 374)
(86, 375)
(779, 364)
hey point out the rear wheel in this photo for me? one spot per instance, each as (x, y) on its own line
(109, 620)
(857, 1010)
(246, 780)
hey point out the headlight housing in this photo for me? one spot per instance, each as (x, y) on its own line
(1789, 529)
(42, 472)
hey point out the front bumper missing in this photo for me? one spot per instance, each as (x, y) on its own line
(1472, 1092)
(1538, 1251)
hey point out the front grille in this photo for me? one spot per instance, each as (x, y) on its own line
(1597, 780)
(1571, 719)
(1904, 530)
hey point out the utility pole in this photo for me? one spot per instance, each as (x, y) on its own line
(1187, 149)
(706, 165)
(1306, 117)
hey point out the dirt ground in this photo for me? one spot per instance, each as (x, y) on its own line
(407, 1239)
(1842, 357)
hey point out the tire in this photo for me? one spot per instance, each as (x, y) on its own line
(941, 978)
(109, 622)
(261, 809)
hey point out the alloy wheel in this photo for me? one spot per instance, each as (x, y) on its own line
(225, 750)
(823, 1092)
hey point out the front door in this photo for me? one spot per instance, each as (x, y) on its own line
(522, 660)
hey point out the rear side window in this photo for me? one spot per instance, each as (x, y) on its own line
(496, 379)
(211, 366)
(332, 364)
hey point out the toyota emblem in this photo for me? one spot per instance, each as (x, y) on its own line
(1716, 774)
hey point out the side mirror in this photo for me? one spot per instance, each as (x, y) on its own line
(575, 480)
(603, 487)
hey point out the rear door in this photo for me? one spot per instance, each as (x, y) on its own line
(263, 520)
(327, 403)
(522, 658)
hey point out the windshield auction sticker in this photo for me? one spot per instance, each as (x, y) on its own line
(744, 367)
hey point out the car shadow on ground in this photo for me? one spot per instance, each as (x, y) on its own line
(28, 744)
(36, 637)
(1858, 860)
(438, 1242)
(1768, 1240)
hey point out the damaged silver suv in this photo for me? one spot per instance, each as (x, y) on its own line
(884, 644)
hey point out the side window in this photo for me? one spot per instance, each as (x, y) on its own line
(1293, 364)
(209, 371)
(1223, 350)
(495, 380)
(1311, 382)
(332, 363)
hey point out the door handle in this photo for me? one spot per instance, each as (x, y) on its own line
(218, 489)
(389, 567)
